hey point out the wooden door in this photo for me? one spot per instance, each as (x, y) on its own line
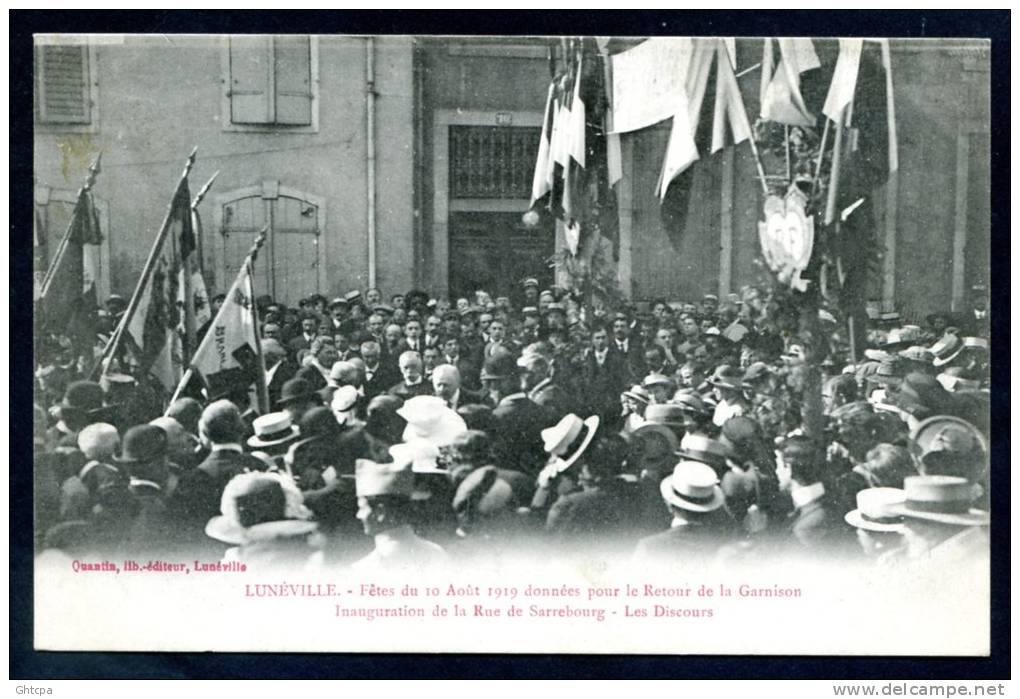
(495, 252)
(288, 265)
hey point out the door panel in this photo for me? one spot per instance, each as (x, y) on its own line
(287, 266)
(494, 251)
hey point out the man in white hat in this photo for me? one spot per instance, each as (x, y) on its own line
(701, 525)
(384, 509)
(941, 523)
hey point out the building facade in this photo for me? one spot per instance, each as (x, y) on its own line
(403, 162)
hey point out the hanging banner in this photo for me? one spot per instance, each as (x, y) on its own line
(648, 82)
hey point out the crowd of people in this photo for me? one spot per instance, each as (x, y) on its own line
(414, 432)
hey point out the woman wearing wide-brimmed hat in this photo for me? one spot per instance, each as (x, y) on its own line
(264, 516)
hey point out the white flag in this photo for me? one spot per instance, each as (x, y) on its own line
(233, 328)
(844, 78)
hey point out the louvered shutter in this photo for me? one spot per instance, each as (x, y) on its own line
(293, 80)
(250, 63)
(64, 85)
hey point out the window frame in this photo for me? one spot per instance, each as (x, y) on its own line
(225, 104)
(43, 126)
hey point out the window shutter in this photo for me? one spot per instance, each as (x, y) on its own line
(250, 63)
(64, 85)
(293, 80)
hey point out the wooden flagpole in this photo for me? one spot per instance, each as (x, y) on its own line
(150, 264)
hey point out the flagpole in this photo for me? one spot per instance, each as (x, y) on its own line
(150, 264)
(837, 158)
(90, 180)
(821, 157)
(190, 332)
(263, 387)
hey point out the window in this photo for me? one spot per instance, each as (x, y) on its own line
(492, 162)
(65, 87)
(271, 82)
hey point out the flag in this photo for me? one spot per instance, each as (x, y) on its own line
(682, 149)
(781, 99)
(576, 138)
(153, 332)
(869, 154)
(67, 300)
(844, 78)
(199, 313)
(541, 183)
(225, 355)
(729, 104)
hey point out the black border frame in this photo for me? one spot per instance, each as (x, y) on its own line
(26, 663)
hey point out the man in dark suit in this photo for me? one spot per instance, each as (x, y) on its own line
(604, 376)
(815, 522)
(279, 368)
(540, 386)
(414, 383)
(153, 530)
(309, 331)
(413, 340)
(629, 347)
(605, 513)
(446, 384)
(433, 331)
(517, 428)
(498, 341)
(381, 373)
(466, 366)
(197, 497)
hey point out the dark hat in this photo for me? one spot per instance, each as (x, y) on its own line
(116, 300)
(498, 365)
(943, 315)
(728, 377)
(83, 395)
(295, 390)
(942, 438)
(921, 395)
(757, 370)
(319, 422)
(740, 433)
(690, 401)
(383, 308)
(311, 374)
(316, 298)
(664, 414)
(142, 443)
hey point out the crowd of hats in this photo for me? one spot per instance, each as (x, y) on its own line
(668, 415)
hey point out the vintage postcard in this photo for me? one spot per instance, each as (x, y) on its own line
(607, 345)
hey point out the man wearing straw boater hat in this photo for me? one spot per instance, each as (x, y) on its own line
(700, 524)
(384, 510)
(941, 523)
